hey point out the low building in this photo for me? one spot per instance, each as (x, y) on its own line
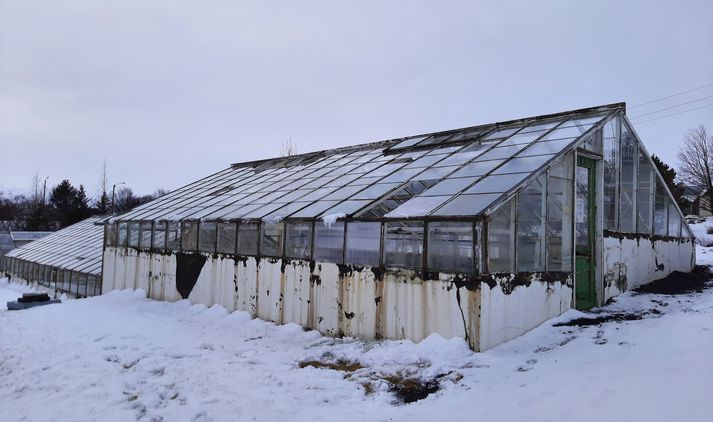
(66, 261)
(482, 232)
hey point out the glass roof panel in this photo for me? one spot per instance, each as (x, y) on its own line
(347, 207)
(500, 153)
(466, 205)
(417, 206)
(314, 209)
(523, 164)
(376, 191)
(522, 138)
(477, 168)
(408, 143)
(497, 183)
(547, 147)
(449, 186)
(502, 133)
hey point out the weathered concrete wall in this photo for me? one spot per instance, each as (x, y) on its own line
(333, 299)
(633, 260)
(510, 309)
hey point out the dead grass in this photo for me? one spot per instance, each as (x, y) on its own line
(338, 365)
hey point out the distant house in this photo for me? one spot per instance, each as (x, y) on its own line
(697, 201)
(10, 240)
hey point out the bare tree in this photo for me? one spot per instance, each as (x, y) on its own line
(36, 189)
(102, 201)
(288, 149)
(696, 157)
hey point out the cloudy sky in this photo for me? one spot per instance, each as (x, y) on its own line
(170, 91)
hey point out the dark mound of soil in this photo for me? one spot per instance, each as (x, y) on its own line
(678, 283)
(409, 390)
(585, 322)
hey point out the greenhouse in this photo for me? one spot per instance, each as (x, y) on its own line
(67, 261)
(482, 232)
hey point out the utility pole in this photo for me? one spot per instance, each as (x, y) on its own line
(113, 191)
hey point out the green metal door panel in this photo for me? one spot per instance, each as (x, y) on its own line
(584, 295)
(585, 218)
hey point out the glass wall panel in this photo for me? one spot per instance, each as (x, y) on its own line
(674, 220)
(145, 235)
(660, 217)
(159, 235)
(110, 235)
(207, 236)
(403, 244)
(559, 224)
(450, 246)
(329, 242)
(594, 142)
(134, 234)
(189, 236)
(121, 234)
(248, 238)
(173, 235)
(610, 164)
(271, 240)
(298, 240)
(531, 212)
(644, 195)
(629, 158)
(501, 239)
(363, 243)
(227, 236)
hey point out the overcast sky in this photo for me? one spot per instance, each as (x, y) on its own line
(168, 92)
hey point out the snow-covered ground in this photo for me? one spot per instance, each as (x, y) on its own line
(700, 231)
(124, 357)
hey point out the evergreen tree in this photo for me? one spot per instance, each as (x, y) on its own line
(103, 203)
(63, 200)
(80, 209)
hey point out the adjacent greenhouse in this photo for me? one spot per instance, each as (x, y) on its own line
(482, 232)
(67, 261)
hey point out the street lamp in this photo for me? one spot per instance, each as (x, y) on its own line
(44, 191)
(113, 191)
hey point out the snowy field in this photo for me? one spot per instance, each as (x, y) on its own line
(122, 357)
(700, 230)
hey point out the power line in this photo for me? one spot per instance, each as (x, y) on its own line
(672, 107)
(672, 95)
(673, 114)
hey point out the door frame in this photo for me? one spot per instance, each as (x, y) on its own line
(593, 164)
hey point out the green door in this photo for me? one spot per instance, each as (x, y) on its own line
(585, 295)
